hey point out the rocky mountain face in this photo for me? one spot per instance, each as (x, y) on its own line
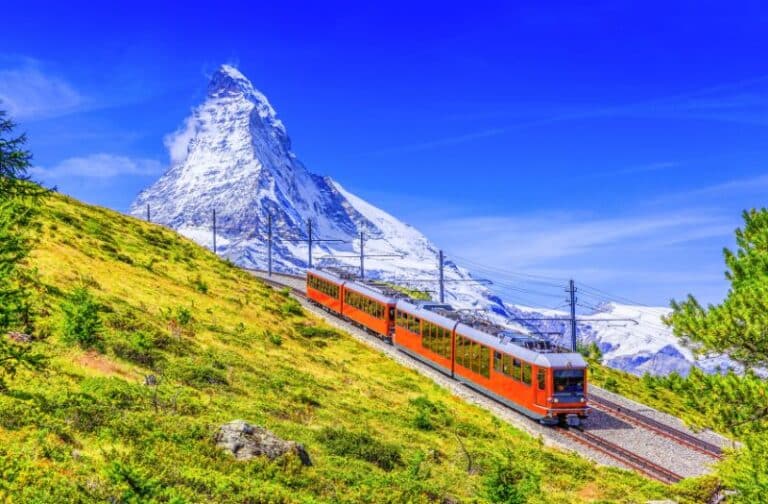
(233, 156)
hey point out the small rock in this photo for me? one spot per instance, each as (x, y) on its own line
(150, 380)
(246, 441)
(19, 337)
(76, 455)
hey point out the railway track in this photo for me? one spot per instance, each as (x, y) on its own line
(626, 457)
(585, 438)
(662, 429)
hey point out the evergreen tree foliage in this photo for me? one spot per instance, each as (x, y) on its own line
(15, 162)
(16, 211)
(733, 403)
(739, 325)
(82, 324)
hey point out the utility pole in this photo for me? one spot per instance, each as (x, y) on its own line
(214, 230)
(572, 291)
(269, 242)
(311, 240)
(442, 279)
(362, 255)
(149, 216)
(309, 232)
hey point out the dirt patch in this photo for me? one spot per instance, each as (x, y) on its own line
(100, 363)
(589, 493)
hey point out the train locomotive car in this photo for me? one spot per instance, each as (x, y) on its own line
(528, 374)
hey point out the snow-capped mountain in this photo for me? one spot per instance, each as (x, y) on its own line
(233, 155)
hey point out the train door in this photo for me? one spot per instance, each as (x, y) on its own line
(540, 386)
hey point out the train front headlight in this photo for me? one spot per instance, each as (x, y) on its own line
(556, 400)
(582, 399)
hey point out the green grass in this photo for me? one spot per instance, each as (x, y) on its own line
(223, 346)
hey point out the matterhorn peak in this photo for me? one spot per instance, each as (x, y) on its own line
(228, 80)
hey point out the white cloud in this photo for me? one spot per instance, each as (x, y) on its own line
(177, 142)
(528, 241)
(100, 166)
(27, 93)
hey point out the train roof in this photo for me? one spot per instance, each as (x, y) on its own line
(327, 275)
(530, 349)
(370, 292)
(381, 293)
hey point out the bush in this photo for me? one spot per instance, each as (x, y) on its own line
(429, 415)
(512, 482)
(316, 332)
(275, 339)
(81, 324)
(361, 445)
(200, 285)
(198, 373)
(611, 384)
(291, 307)
(137, 347)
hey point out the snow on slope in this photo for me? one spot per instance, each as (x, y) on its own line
(233, 154)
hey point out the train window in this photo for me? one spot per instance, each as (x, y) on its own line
(485, 361)
(568, 381)
(497, 362)
(527, 372)
(460, 351)
(541, 379)
(517, 369)
(506, 365)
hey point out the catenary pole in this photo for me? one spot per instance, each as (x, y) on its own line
(572, 302)
(309, 232)
(214, 230)
(269, 243)
(362, 256)
(442, 279)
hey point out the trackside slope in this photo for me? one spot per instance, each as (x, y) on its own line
(220, 346)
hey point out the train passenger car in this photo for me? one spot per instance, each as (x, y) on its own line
(521, 372)
(325, 289)
(546, 385)
(369, 308)
(425, 334)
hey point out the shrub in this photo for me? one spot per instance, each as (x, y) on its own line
(611, 384)
(361, 445)
(512, 482)
(429, 415)
(81, 323)
(183, 316)
(275, 339)
(137, 347)
(198, 373)
(316, 332)
(291, 307)
(200, 285)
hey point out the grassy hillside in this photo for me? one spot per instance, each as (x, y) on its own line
(223, 346)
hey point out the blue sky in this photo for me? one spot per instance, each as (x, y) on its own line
(609, 142)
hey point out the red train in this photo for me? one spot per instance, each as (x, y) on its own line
(531, 375)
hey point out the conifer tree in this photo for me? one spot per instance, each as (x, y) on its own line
(739, 325)
(16, 191)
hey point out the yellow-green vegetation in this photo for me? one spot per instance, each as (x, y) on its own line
(114, 300)
(417, 294)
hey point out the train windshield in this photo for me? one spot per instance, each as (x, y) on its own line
(569, 381)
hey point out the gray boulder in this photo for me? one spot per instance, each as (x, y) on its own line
(246, 441)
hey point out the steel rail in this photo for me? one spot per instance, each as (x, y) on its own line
(645, 422)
